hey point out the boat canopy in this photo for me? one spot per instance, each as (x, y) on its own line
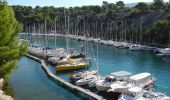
(140, 76)
(121, 73)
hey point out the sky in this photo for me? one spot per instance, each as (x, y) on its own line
(66, 3)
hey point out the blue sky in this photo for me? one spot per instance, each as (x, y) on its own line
(66, 3)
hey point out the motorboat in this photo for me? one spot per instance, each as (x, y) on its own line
(105, 84)
(114, 77)
(132, 93)
(86, 80)
(143, 80)
(136, 47)
(93, 82)
(136, 93)
(81, 75)
(120, 87)
(164, 52)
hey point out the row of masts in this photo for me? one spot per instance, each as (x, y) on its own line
(118, 30)
(108, 31)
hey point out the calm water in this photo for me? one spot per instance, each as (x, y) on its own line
(30, 81)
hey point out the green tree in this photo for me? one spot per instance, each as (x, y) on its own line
(144, 7)
(158, 4)
(120, 4)
(105, 6)
(160, 31)
(9, 39)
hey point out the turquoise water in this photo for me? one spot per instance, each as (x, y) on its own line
(30, 81)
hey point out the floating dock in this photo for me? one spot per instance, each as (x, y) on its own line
(63, 82)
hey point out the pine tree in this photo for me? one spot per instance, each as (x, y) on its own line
(9, 39)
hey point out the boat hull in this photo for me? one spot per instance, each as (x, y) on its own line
(76, 77)
(71, 67)
(92, 84)
(80, 83)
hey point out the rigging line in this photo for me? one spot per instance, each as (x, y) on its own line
(95, 60)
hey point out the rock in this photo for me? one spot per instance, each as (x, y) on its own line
(2, 95)
(1, 82)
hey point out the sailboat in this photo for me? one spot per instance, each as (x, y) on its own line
(87, 80)
(73, 61)
(84, 74)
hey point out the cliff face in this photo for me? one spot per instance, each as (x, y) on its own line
(137, 26)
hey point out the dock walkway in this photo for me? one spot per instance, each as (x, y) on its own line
(65, 83)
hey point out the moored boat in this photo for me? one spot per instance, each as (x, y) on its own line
(114, 77)
(86, 80)
(72, 66)
(81, 75)
(136, 93)
(136, 47)
(105, 84)
(142, 80)
(164, 52)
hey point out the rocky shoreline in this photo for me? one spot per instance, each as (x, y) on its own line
(2, 95)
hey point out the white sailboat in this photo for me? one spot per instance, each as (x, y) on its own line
(90, 78)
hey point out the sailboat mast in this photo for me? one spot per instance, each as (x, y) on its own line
(85, 37)
(55, 33)
(141, 31)
(67, 42)
(35, 40)
(125, 32)
(116, 31)
(169, 39)
(46, 34)
(66, 30)
(136, 36)
(97, 58)
(132, 31)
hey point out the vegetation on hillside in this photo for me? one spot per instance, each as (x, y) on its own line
(109, 21)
